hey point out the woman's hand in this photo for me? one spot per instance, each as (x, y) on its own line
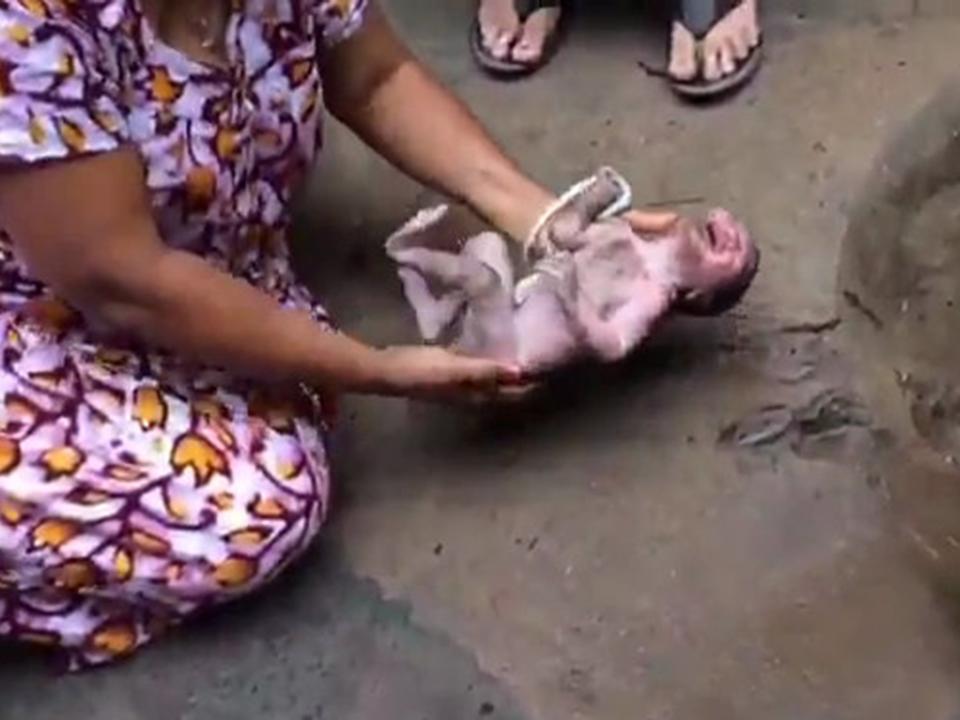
(643, 221)
(434, 374)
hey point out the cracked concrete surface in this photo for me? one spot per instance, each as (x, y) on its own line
(647, 542)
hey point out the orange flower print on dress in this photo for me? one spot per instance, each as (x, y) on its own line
(299, 71)
(73, 135)
(19, 413)
(249, 538)
(38, 133)
(222, 501)
(150, 544)
(235, 571)
(19, 34)
(86, 496)
(67, 66)
(201, 188)
(35, 7)
(9, 455)
(124, 473)
(61, 462)
(12, 512)
(74, 575)
(150, 408)
(142, 486)
(268, 508)
(227, 143)
(115, 640)
(199, 455)
(123, 565)
(163, 88)
(54, 534)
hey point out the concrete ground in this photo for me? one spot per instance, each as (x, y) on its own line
(753, 520)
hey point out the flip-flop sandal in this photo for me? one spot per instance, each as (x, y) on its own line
(700, 17)
(506, 67)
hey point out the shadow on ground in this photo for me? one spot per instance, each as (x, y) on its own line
(321, 644)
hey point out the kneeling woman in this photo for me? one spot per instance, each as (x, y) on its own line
(164, 377)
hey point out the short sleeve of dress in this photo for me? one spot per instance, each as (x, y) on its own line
(59, 93)
(339, 19)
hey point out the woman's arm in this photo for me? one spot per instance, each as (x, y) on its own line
(85, 228)
(375, 86)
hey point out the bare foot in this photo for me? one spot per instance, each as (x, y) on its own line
(499, 26)
(536, 30)
(731, 41)
(719, 54)
(683, 54)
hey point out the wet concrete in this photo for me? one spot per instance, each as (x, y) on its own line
(751, 520)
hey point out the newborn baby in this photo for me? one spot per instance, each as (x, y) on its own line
(595, 291)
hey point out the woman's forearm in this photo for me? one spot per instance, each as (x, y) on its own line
(390, 100)
(208, 316)
(121, 275)
(432, 137)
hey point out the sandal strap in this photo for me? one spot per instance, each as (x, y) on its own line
(700, 16)
(526, 8)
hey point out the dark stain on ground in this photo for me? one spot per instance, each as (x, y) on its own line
(320, 644)
(830, 425)
(935, 412)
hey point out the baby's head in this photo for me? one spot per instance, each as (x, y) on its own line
(715, 263)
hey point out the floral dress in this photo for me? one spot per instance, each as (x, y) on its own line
(136, 489)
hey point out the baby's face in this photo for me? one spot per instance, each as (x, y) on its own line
(715, 263)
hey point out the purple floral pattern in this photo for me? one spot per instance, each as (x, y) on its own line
(136, 489)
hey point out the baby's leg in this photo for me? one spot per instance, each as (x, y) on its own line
(435, 313)
(436, 284)
(460, 299)
(490, 249)
(545, 334)
(488, 328)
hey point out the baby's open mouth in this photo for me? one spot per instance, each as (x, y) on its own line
(712, 239)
